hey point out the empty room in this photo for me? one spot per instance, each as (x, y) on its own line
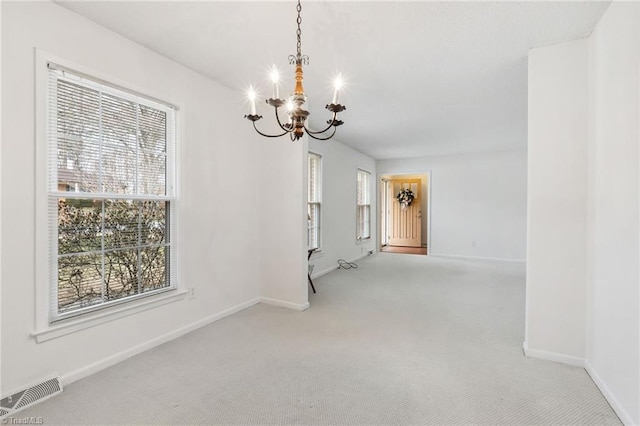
(313, 212)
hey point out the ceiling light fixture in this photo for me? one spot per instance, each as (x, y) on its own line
(294, 104)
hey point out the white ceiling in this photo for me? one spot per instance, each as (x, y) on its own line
(423, 78)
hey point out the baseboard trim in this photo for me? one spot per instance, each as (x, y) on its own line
(333, 268)
(128, 353)
(609, 396)
(460, 256)
(323, 272)
(362, 256)
(553, 356)
(284, 303)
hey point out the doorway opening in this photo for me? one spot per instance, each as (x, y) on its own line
(405, 226)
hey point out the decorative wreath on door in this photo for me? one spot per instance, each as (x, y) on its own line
(405, 197)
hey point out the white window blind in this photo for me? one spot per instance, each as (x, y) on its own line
(363, 205)
(111, 194)
(314, 199)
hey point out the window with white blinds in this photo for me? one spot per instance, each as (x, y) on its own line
(363, 205)
(111, 194)
(314, 199)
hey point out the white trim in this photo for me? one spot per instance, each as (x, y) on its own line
(460, 256)
(362, 256)
(284, 303)
(333, 268)
(553, 356)
(87, 320)
(323, 272)
(624, 416)
(128, 353)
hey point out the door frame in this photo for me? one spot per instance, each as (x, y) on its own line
(383, 203)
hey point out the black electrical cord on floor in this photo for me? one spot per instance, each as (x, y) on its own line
(343, 264)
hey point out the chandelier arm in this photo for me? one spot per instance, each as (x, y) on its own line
(322, 131)
(268, 136)
(322, 139)
(280, 123)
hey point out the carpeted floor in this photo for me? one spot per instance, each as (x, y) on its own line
(402, 340)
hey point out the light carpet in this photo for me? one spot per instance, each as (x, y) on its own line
(401, 340)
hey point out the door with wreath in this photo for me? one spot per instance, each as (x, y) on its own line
(406, 213)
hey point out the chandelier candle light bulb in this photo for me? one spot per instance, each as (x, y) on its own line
(337, 84)
(275, 79)
(252, 100)
(295, 126)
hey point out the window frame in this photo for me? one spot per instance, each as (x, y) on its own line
(366, 205)
(47, 325)
(316, 203)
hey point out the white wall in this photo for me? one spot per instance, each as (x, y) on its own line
(338, 206)
(557, 200)
(583, 272)
(613, 355)
(474, 197)
(282, 192)
(221, 245)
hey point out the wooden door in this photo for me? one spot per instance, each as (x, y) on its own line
(406, 222)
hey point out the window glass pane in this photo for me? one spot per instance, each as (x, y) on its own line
(119, 122)
(152, 129)
(78, 111)
(152, 173)
(314, 178)
(79, 225)
(118, 169)
(153, 222)
(120, 224)
(153, 261)
(79, 281)
(314, 226)
(78, 163)
(121, 269)
(314, 196)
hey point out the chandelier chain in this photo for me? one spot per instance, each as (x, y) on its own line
(299, 31)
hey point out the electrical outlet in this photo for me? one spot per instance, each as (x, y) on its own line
(474, 244)
(192, 293)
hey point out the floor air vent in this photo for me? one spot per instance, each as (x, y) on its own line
(25, 398)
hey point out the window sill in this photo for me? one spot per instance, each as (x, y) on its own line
(91, 320)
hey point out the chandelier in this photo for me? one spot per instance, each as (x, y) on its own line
(295, 125)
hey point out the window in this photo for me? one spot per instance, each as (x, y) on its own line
(111, 195)
(363, 222)
(314, 198)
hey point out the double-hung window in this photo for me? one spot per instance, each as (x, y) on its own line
(314, 199)
(363, 205)
(111, 194)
